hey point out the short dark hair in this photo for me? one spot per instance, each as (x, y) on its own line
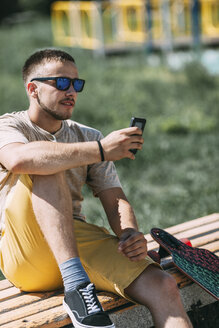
(44, 55)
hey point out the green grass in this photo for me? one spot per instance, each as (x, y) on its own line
(175, 177)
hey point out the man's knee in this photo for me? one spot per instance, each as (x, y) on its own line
(52, 189)
(162, 283)
(52, 183)
(57, 177)
(168, 285)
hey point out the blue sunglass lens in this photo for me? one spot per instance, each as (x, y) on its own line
(78, 85)
(63, 83)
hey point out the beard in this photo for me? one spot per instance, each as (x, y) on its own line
(56, 115)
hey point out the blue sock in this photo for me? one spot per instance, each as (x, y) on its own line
(73, 273)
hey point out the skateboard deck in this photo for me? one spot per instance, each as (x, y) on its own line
(200, 265)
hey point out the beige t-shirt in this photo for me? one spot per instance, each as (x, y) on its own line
(17, 127)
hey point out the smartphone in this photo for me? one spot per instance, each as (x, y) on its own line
(140, 123)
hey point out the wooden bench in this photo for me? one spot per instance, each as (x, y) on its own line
(31, 310)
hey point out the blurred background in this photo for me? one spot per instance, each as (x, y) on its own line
(152, 59)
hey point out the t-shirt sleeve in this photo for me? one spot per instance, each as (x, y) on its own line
(102, 176)
(10, 131)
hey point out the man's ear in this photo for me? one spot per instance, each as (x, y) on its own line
(32, 89)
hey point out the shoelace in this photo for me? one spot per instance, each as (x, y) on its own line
(91, 303)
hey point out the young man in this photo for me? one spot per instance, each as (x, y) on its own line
(45, 159)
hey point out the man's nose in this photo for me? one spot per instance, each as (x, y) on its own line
(71, 90)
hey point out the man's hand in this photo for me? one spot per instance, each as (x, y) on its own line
(116, 145)
(133, 244)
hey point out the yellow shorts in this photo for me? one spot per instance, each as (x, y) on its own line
(27, 261)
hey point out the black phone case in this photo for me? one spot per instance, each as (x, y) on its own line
(139, 122)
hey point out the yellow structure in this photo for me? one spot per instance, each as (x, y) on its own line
(130, 20)
(61, 16)
(77, 24)
(114, 23)
(180, 12)
(82, 23)
(210, 18)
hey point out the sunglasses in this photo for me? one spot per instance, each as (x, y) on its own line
(63, 83)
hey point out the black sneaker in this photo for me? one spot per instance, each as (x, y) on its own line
(84, 309)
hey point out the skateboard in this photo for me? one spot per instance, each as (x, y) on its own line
(200, 265)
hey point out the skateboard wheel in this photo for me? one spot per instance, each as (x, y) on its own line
(155, 256)
(186, 241)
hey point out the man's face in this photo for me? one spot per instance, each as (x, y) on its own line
(58, 104)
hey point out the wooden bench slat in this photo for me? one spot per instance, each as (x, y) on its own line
(200, 241)
(212, 246)
(52, 318)
(181, 279)
(4, 284)
(196, 241)
(197, 231)
(9, 292)
(23, 300)
(206, 220)
(192, 233)
(185, 226)
(56, 316)
(110, 301)
(106, 299)
(30, 309)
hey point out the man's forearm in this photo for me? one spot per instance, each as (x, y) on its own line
(124, 219)
(45, 157)
(132, 242)
(119, 211)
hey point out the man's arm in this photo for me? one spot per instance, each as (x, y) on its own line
(132, 243)
(45, 157)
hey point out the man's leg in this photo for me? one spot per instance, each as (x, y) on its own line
(52, 205)
(158, 291)
(143, 282)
